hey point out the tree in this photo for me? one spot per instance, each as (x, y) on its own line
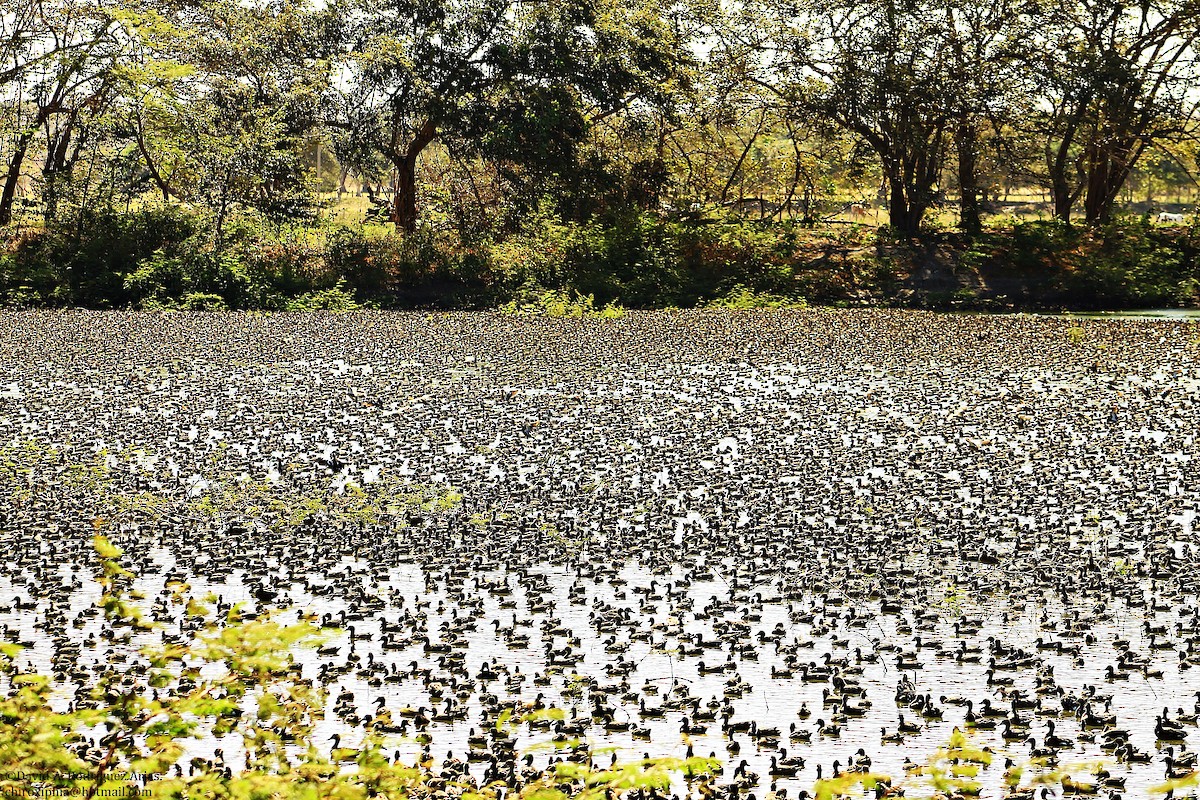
(510, 80)
(59, 56)
(984, 85)
(877, 69)
(1115, 80)
(220, 101)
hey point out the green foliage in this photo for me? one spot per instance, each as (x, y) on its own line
(334, 299)
(62, 267)
(202, 301)
(952, 600)
(1125, 264)
(518, 91)
(165, 259)
(645, 261)
(1172, 787)
(561, 304)
(1136, 265)
(422, 269)
(840, 786)
(599, 148)
(743, 298)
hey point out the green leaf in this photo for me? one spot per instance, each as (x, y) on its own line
(105, 548)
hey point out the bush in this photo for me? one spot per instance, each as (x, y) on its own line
(20, 288)
(643, 261)
(196, 276)
(1128, 263)
(424, 269)
(86, 265)
(164, 257)
(200, 301)
(355, 257)
(335, 299)
(562, 304)
(743, 298)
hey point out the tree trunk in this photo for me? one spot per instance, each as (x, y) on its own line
(1060, 191)
(903, 215)
(155, 175)
(1112, 161)
(1057, 162)
(404, 204)
(897, 205)
(56, 172)
(9, 193)
(968, 181)
(1103, 184)
(222, 209)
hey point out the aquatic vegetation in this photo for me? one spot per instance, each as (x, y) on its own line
(107, 484)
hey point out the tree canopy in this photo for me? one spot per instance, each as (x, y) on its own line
(482, 112)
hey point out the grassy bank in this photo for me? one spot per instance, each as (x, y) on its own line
(167, 258)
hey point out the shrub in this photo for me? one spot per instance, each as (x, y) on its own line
(1128, 263)
(355, 257)
(562, 304)
(1131, 263)
(201, 301)
(334, 299)
(156, 279)
(425, 269)
(160, 257)
(744, 298)
(86, 264)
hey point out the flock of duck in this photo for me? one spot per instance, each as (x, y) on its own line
(806, 543)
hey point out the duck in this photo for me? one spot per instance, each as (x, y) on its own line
(339, 753)
(1009, 734)
(1074, 787)
(828, 729)
(1055, 741)
(1167, 730)
(762, 733)
(1176, 772)
(798, 734)
(1044, 753)
(1183, 760)
(778, 770)
(1111, 673)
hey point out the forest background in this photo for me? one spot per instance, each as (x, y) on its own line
(572, 156)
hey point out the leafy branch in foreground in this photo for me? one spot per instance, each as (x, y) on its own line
(239, 683)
